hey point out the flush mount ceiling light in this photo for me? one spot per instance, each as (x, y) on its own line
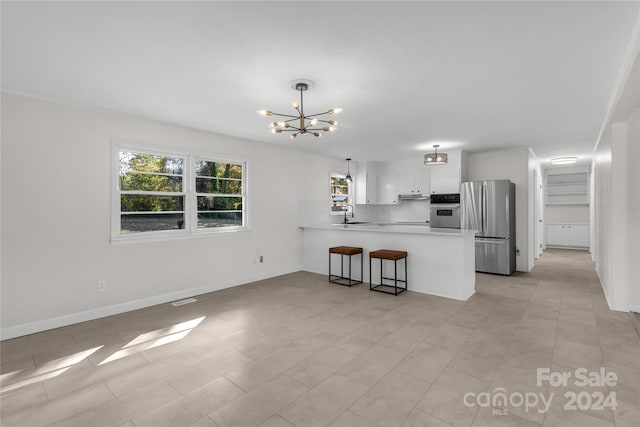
(564, 160)
(302, 124)
(435, 158)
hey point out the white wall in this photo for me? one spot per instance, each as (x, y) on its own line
(616, 170)
(55, 217)
(513, 165)
(538, 213)
(567, 214)
(633, 205)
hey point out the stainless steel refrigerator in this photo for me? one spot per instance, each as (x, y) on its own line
(490, 208)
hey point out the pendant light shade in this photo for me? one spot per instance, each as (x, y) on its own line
(348, 177)
(435, 158)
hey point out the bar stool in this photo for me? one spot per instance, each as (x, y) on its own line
(395, 256)
(342, 251)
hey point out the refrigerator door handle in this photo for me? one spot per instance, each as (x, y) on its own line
(483, 208)
(493, 241)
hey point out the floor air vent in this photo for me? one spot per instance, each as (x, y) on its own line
(183, 302)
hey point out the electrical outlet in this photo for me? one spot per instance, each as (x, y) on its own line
(102, 285)
(261, 258)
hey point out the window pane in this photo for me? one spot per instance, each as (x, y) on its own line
(219, 219)
(339, 206)
(217, 169)
(218, 203)
(339, 193)
(222, 186)
(137, 223)
(144, 203)
(146, 182)
(339, 181)
(141, 162)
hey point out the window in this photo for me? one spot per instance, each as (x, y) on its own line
(162, 194)
(152, 196)
(219, 194)
(340, 190)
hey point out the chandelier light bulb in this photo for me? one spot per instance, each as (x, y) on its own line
(335, 110)
(317, 134)
(333, 122)
(276, 130)
(264, 112)
(293, 135)
(281, 124)
(313, 122)
(295, 105)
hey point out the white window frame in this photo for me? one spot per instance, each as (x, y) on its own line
(190, 228)
(349, 193)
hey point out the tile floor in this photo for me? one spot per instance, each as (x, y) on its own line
(297, 351)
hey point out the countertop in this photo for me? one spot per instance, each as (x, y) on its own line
(392, 227)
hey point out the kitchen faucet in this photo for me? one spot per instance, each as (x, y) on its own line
(345, 213)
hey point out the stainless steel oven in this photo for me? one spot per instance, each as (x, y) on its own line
(445, 211)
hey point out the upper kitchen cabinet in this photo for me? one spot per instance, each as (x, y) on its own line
(447, 178)
(413, 183)
(387, 189)
(375, 185)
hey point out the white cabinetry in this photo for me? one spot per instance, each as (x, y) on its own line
(413, 183)
(387, 189)
(447, 178)
(568, 235)
(374, 187)
(568, 188)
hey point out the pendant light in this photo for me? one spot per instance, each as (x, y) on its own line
(435, 158)
(348, 177)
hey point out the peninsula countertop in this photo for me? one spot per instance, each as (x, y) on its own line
(441, 261)
(392, 227)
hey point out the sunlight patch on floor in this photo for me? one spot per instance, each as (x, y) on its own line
(154, 339)
(47, 371)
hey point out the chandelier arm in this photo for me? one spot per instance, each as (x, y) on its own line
(318, 114)
(285, 115)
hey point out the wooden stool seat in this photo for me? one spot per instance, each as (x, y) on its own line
(345, 251)
(390, 255)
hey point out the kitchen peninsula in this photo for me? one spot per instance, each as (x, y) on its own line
(441, 261)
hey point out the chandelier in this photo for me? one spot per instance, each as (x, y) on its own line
(435, 158)
(302, 124)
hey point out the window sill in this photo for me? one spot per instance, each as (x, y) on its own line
(165, 237)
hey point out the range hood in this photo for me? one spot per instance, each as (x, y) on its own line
(413, 196)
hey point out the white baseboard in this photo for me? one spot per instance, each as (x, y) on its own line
(83, 316)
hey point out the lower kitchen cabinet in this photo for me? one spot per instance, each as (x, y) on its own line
(568, 235)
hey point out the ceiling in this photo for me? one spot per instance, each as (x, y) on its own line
(472, 75)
